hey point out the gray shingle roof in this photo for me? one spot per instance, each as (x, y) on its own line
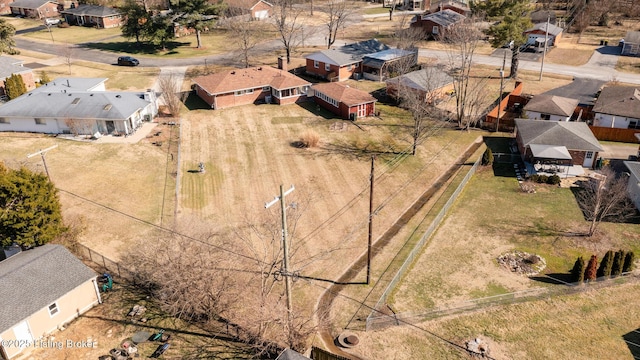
(289, 354)
(426, 79)
(74, 105)
(552, 104)
(29, 4)
(10, 65)
(553, 30)
(619, 101)
(92, 10)
(444, 18)
(351, 53)
(634, 168)
(70, 84)
(572, 135)
(584, 90)
(34, 279)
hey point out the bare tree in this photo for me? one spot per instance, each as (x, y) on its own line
(405, 36)
(169, 87)
(338, 13)
(245, 37)
(287, 24)
(605, 198)
(462, 41)
(67, 53)
(80, 127)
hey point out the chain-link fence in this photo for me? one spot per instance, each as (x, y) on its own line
(105, 264)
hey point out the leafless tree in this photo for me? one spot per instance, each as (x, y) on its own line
(604, 197)
(67, 53)
(169, 87)
(287, 24)
(79, 126)
(338, 13)
(405, 36)
(462, 41)
(241, 29)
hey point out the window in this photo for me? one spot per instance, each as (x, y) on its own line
(589, 154)
(327, 67)
(4, 120)
(40, 121)
(435, 30)
(250, 91)
(316, 64)
(545, 116)
(266, 88)
(634, 124)
(326, 99)
(53, 309)
(238, 93)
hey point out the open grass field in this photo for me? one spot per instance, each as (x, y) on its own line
(629, 64)
(74, 34)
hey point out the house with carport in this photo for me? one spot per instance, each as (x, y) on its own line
(343, 100)
(379, 66)
(550, 107)
(41, 291)
(539, 32)
(36, 9)
(255, 85)
(78, 106)
(556, 147)
(342, 63)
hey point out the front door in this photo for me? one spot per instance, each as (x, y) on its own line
(111, 127)
(23, 334)
(588, 159)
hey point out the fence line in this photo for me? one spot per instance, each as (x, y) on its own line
(107, 264)
(420, 244)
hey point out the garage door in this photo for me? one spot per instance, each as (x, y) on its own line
(262, 14)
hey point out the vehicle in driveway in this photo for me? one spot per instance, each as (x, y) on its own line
(128, 61)
(51, 21)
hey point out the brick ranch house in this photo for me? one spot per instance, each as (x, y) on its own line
(254, 85)
(101, 17)
(36, 9)
(345, 101)
(9, 66)
(342, 63)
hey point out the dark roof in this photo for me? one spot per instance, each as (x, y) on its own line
(584, 90)
(344, 94)
(289, 354)
(34, 279)
(619, 100)
(428, 79)
(553, 30)
(572, 135)
(634, 168)
(91, 10)
(444, 18)
(552, 104)
(349, 54)
(30, 4)
(10, 65)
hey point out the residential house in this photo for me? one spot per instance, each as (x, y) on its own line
(345, 101)
(539, 32)
(78, 106)
(254, 85)
(9, 66)
(436, 24)
(556, 146)
(379, 66)
(431, 84)
(633, 186)
(342, 63)
(585, 91)
(461, 7)
(101, 17)
(289, 354)
(618, 107)
(631, 43)
(550, 107)
(256, 9)
(41, 290)
(35, 9)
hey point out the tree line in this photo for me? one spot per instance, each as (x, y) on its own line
(613, 264)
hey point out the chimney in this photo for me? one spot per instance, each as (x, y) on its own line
(282, 63)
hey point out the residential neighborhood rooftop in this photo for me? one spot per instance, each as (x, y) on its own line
(33, 279)
(552, 104)
(583, 89)
(245, 4)
(634, 168)
(70, 84)
(344, 93)
(249, 78)
(444, 18)
(619, 100)
(92, 10)
(10, 65)
(30, 4)
(632, 36)
(425, 79)
(349, 54)
(572, 135)
(552, 29)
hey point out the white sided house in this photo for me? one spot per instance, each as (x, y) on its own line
(78, 106)
(618, 107)
(41, 290)
(633, 186)
(550, 107)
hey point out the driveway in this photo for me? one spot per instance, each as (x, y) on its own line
(618, 150)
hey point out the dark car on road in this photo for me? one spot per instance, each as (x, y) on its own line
(128, 61)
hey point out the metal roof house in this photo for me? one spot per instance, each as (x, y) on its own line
(41, 290)
(80, 107)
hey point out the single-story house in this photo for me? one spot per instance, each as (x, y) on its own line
(256, 9)
(5, 7)
(41, 290)
(80, 107)
(36, 9)
(618, 107)
(536, 35)
(550, 107)
(631, 43)
(436, 24)
(431, 84)
(461, 7)
(585, 91)
(343, 100)
(342, 63)
(633, 186)
(93, 15)
(9, 66)
(570, 145)
(289, 354)
(262, 84)
(380, 65)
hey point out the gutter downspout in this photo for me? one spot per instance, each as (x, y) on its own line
(95, 286)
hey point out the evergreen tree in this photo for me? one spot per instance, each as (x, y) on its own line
(592, 268)
(7, 31)
(14, 86)
(629, 260)
(577, 273)
(44, 78)
(487, 157)
(606, 264)
(29, 208)
(618, 262)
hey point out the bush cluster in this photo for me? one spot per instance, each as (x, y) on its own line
(544, 179)
(613, 264)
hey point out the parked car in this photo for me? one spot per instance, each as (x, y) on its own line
(128, 61)
(51, 21)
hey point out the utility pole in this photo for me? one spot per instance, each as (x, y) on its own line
(371, 178)
(504, 60)
(546, 40)
(44, 161)
(285, 248)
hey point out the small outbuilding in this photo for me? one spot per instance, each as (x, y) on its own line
(631, 43)
(537, 34)
(345, 101)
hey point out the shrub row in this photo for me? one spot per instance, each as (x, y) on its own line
(544, 179)
(612, 265)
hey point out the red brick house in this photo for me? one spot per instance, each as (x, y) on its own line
(5, 7)
(342, 63)
(254, 85)
(9, 66)
(536, 35)
(101, 17)
(256, 9)
(345, 101)
(35, 9)
(436, 24)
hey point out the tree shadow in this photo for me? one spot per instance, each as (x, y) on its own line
(554, 278)
(356, 151)
(632, 217)
(318, 110)
(540, 228)
(134, 48)
(632, 338)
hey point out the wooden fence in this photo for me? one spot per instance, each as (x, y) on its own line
(319, 354)
(615, 134)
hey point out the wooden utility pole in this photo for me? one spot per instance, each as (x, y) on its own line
(546, 40)
(44, 161)
(369, 239)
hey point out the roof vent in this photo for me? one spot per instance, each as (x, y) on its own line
(75, 101)
(107, 107)
(233, 73)
(118, 96)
